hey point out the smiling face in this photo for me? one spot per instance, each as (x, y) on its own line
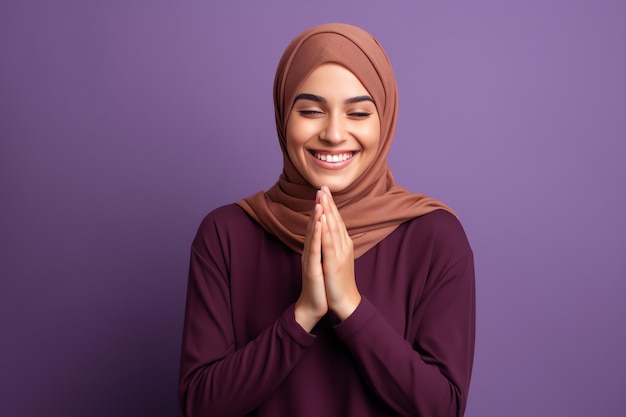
(333, 131)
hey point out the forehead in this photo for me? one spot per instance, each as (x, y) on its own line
(333, 79)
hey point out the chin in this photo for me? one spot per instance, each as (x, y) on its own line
(335, 183)
(335, 187)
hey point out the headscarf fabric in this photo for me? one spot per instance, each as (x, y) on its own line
(372, 206)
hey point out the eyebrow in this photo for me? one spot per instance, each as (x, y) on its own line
(318, 99)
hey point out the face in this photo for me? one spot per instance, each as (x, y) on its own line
(333, 130)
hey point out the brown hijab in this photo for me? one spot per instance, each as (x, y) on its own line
(373, 206)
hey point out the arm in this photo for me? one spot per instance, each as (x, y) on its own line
(215, 378)
(430, 376)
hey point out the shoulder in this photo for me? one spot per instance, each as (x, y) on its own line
(224, 215)
(227, 217)
(225, 223)
(229, 235)
(439, 222)
(441, 230)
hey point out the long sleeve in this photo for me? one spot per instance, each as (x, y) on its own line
(406, 350)
(425, 371)
(217, 377)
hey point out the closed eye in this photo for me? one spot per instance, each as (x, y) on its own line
(360, 115)
(310, 113)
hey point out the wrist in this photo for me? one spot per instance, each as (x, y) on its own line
(306, 317)
(345, 309)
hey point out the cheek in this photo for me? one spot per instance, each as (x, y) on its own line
(371, 137)
(293, 141)
(297, 134)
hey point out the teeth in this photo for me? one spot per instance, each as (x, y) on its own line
(333, 158)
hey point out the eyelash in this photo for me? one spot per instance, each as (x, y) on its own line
(358, 115)
(309, 112)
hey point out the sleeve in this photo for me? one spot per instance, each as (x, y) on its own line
(215, 378)
(431, 376)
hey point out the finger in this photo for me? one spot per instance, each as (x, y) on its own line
(332, 207)
(311, 253)
(315, 246)
(308, 244)
(340, 225)
(315, 217)
(336, 227)
(341, 238)
(331, 234)
(327, 240)
(318, 195)
(312, 303)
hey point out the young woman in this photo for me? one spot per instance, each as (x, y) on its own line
(336, 292)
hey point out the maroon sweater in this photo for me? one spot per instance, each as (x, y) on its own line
(407, 349)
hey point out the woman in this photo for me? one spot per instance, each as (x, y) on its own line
(336, 292)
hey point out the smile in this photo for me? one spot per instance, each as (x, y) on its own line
(341, 157)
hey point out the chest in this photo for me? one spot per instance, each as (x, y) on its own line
(265, 279)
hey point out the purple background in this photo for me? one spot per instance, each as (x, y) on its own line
(123, 123)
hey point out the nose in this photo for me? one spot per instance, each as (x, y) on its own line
(334, 132)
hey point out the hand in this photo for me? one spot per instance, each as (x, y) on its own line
(312, 305)
(342, 294)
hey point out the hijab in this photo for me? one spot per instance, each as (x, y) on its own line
(373, 206)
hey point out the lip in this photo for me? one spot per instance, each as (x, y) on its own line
(332, 165)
